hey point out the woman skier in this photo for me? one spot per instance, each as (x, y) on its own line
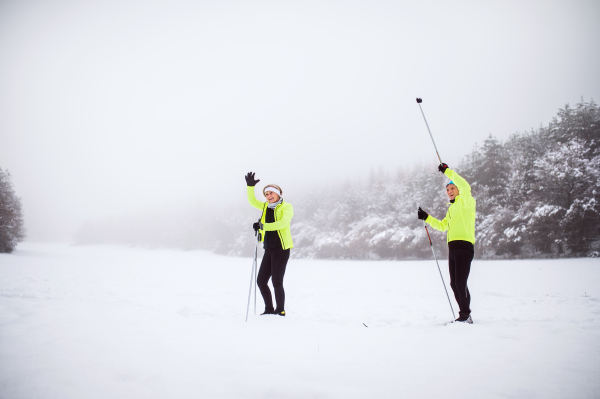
(274, 228)
(460, 224)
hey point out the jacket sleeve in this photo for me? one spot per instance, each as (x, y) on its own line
(286, 218)
(464, 189)
(441, 225)
(252, 199)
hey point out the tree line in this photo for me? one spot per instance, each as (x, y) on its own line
(538, 195)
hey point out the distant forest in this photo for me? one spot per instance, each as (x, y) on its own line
(538, 196)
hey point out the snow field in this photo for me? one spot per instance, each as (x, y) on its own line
(110, 322)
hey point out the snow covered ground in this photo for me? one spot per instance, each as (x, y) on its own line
(110, 322)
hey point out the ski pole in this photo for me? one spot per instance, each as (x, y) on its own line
(419, 101)
(438, 266)
(252, 274)
(256, 270)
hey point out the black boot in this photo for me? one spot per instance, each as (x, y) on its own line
(463, 319)
(268, 311)
(279, 312)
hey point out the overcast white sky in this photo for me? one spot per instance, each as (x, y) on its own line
(115, 106)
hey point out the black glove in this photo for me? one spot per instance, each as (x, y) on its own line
(250, 179)
(442, 168)
(419, 100)
(257, 226)
(421, 214)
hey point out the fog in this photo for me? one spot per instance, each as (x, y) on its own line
(113, 107)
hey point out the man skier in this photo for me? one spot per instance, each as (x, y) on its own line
(460, 224)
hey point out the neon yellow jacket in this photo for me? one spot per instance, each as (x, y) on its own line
(460, 218)
(284, 213)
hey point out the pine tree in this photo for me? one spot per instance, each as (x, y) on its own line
(11, 218)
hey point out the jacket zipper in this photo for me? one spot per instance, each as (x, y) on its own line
(279, 234)
(262, 219)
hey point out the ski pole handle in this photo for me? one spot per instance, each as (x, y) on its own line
(427, 231)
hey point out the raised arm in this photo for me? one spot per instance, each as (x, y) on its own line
(251, 182)
(252, 199)
(463, 187)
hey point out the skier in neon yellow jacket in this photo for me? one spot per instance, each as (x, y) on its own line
(274, 228)
(460, 224)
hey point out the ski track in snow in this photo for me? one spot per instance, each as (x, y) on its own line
(112, 322)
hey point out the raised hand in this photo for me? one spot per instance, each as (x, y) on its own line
(442, 168)
(250, 181)
(421, 214)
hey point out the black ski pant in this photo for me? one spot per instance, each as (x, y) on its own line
(273, 266)
(459, 262)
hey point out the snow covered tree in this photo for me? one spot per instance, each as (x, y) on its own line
(581, 122)
(571, 182)
(488, 166)
(11, 218)
(548, 206)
